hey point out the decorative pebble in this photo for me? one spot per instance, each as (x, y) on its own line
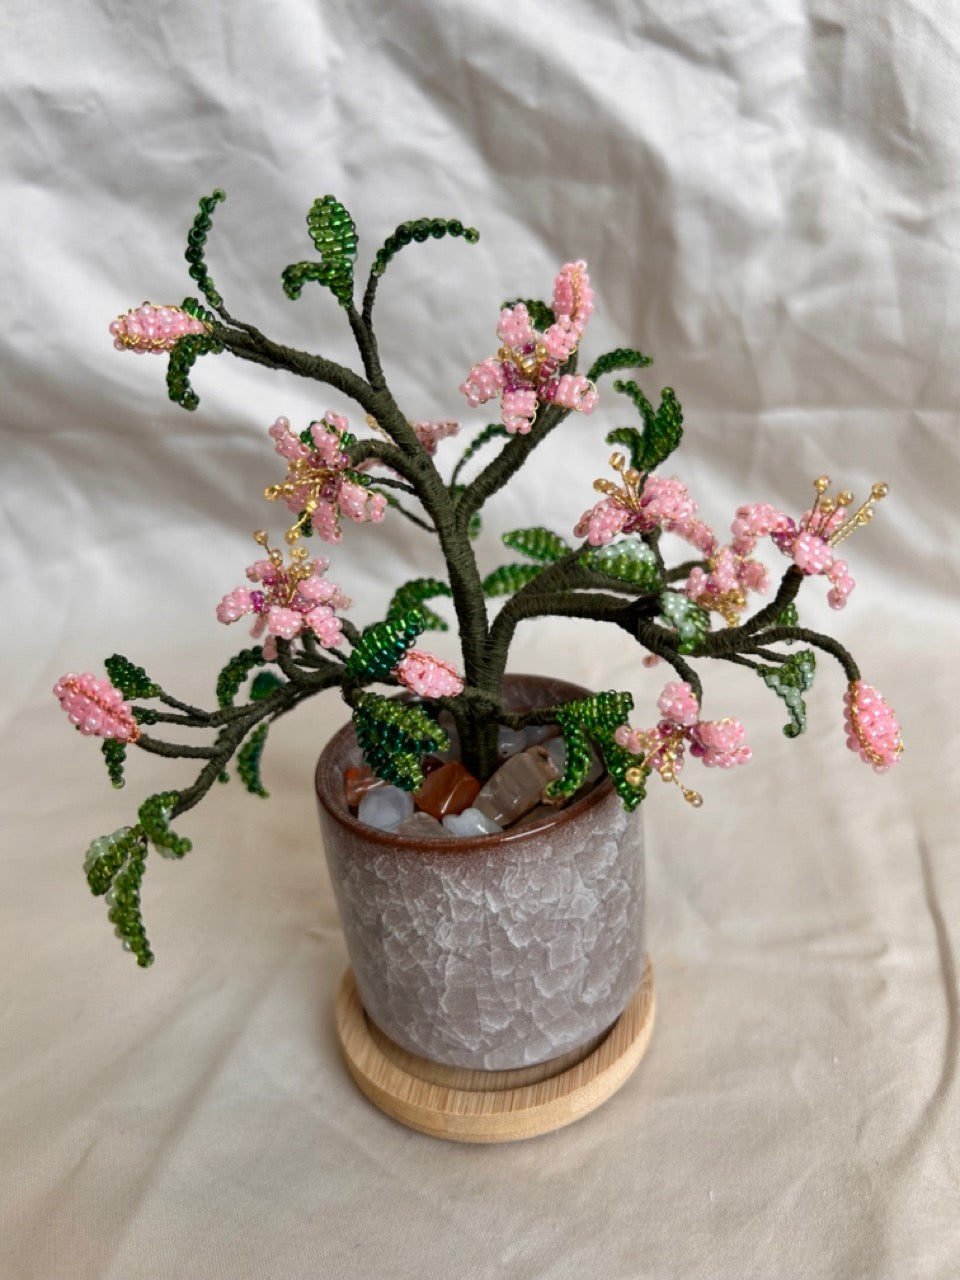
(357, 782)
(472, 822)
(420, 826)
(449, 789)
(384, 808)
(517, 786)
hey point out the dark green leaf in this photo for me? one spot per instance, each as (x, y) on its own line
(417, 232)
(132, 681)
(248, 761)
(231, 678)
(154, 818)
(114, 755)
(412, 595)
(264, 683)
(622, 358)
(394, 736)
(662, 427)
(380, 647)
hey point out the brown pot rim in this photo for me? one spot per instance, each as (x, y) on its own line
(326, 779)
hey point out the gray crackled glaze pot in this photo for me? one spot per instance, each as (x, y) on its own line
(496, 952)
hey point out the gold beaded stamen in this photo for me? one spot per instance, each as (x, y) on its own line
(289, 576)
(302, 474)
(628, 496)
(669, 750)
(825, 507)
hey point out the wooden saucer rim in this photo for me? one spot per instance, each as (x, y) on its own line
(502, 1114)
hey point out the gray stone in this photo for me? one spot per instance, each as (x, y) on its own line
(385, 807)
(517, 786)
(421, 826)
(472, 822)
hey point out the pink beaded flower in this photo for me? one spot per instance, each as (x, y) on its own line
(292, 599)
(153, 329)
(524, 372)
(717, 743)
(96, 707)
(428, 676)
(810, 542)
(872, 728)
(319, 482)
(640, 504)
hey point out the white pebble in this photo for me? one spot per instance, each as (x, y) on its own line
(385, 807)
(471, 823)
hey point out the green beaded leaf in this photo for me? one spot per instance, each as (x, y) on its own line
(380, 647)
(618, 762)
(790, 681)
(154, 815)
(114, 755)
(263, 684)
(393, 737)
(231, 678)
(248, 761)
(541, 316)
(597, 717)
(114, 868)
(493, 431)
(416, 233)
(106, 855)
(196, 242)
(629, 560)
(132, 681)
(412, 595)
(335, 237)
(621, 358)
(510, 578)
(183, 357)
(577, 758)
(537, 543)
(689, 620)
(662, 427)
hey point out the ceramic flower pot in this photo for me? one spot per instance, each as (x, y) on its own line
(497, 952)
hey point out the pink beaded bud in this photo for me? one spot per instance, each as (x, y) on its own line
(428, 675)
(96, 707)
(153, 329)
(872, 728)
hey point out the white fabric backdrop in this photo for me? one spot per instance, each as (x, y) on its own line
(768, 197)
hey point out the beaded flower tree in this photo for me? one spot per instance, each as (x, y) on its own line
(614, 573)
